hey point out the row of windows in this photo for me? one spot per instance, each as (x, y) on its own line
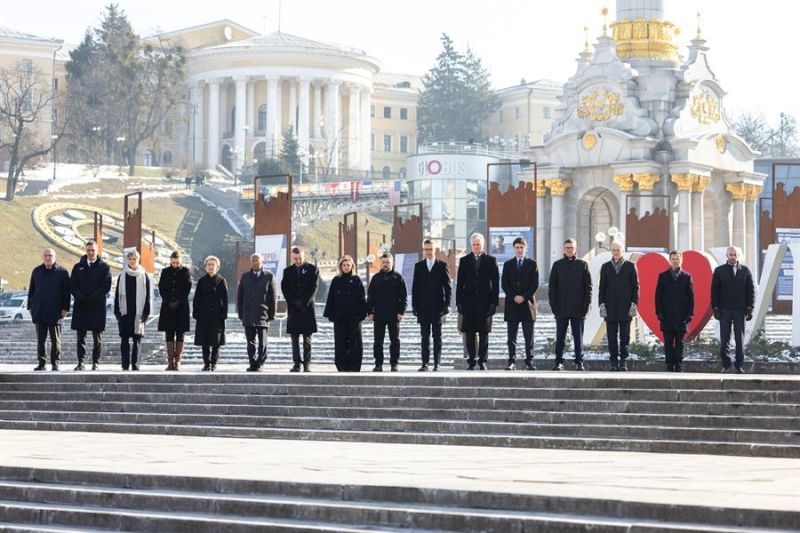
(387, 112)
(545, 113)
(387, 143)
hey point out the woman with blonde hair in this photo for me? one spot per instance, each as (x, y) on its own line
(132, 308)
(346, 308)
(210, 310)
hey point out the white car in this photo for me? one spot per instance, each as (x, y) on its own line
(15, 308)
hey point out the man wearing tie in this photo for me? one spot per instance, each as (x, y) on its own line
(477, 294)
(255, 305)
(732, 299)
(430, 301)
(299, 287)
(90, 283)
(520, 281)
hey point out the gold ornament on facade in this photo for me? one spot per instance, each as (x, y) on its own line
(705, 108)
(738, 191)
(700, 182)
(645, 39)
(589, 140)
(646, 181)
(685, 182)
(541, 190)
(624, 182)
(753, 192)
(721, 143)
(600, 106)
(558, 186)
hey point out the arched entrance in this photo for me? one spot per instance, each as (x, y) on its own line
(227, 157)
(260, 152)
(598, 210)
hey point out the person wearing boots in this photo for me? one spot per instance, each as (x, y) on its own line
(48, 302)
(477, 296)
(174, 286)
(430, 302)
(255, 305)
(674, 308)
(346, 307)
(132, 308)
(299, 287)
(520, 282)
(210, 310)
(733, 297)
(570, 294)
(618, 297)
(90, 283)
(386, 304)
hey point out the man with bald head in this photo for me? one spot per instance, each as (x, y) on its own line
(733, 297)
(48, 302)
(618, 297)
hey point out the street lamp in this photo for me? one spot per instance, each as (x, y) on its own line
(54, 138)
(600, 238)
(235, 153)
(120, 140)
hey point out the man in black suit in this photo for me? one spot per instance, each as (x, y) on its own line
(674, 308)
(386, 304)
(477, 294)
(430, 302)
(570, 293)
(520, 281)
(733, 297)
(618, 297)
(299, 287)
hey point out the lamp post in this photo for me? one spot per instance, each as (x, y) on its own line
(600, 238)
(235, 153)
(54, 138)
(120, 140)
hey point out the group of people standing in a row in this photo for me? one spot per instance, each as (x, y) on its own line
(384, 302)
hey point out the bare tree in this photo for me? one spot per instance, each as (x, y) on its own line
(778, 141)
(25, 101)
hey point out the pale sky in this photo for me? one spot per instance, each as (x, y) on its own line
(751, 51)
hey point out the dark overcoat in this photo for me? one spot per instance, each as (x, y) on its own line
(387, 296)
(674, 300)
(346, 299)
(431, 292)
(90, 285)
(299, 287)
(732, 293)
(48, 294)
(127, 324)
(255, 302)
(477, 292)
(174, 286)
(210, 310)
(618, 290)
(570, 288)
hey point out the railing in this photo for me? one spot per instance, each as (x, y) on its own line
(453, 147)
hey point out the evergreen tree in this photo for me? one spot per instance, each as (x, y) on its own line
(289, 156)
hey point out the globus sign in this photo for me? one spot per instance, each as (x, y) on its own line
(448, 166)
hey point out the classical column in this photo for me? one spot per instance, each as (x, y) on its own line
(252, 113)
(625, 184)
(292, 106)
(647, 183)
(213, 123)
(366, 128)
(317, 111)
(225, 115)
(753, 255)
(273, 117)
(197, 112)
(302, 120)
(332, 132)
(685, 183)
(698, 212)
(738, 193)
(558, 187)
(353, 129)
(541, 257)
(239, 131)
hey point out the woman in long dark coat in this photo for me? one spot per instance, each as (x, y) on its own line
(346, 307)
(132, 308)
(210, 310)
(174, 286)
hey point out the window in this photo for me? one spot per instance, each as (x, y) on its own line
(168, 127)
(500, 116)
(516, 113)
(166, 157)
(403, 144)
(403, 173)
(403, 113)
(386, 173)
(372, 111)
(26, 65)
(387, 112)
(372, 141)
(262, 118)
(387, 143)
(546, 112)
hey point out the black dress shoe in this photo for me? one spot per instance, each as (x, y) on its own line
(471, 367)
(579, 366)
(677, 368)
(306, 367)
(558, 367)
(529, 365)
(670, 368)
(393, 368)
(80, 367)
(95, 366)
(724, 369)
(739, 370)
(623, 366)
(378, 368)
(249, 368)
(435, 368)
(40, 368)
(295, 368)
(482, 366)
(423, 368)
(511, 366)
(55, 367)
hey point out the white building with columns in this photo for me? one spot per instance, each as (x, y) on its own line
(640, 124)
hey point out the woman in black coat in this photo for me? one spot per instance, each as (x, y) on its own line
(132, 308)
(346, 308)
(174, 286)
(210, 310)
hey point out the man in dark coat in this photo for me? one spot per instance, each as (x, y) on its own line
(733, 297)
(570, 292)
(618, 297)
(477, 295)
(90, 283)
(386, 304)
(174, 286)
(520, 282)
(674, 308)
(299, 287)
(48, 302)
(430, 302)
(255, 305)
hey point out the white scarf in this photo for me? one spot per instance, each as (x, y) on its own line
(141, 295)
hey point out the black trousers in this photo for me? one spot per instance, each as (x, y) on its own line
(42, 331)
(527, 334)
(97, 339)
(426, 328)
(728, 318)
(348, 347)
(619, 337)
(296, 348)
(673, 346)
(210, 355)
(256, 344)
(576, 325)
(130, 352)
(379, 333)
(482, 347)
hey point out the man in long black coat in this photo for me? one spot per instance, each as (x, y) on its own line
(477, 295)
(520, 282)
(674, 308)
(732, 299)
(387, 299)
(299, 287)
(90, 283)
(255, 306)
(430, 302)
(570, 293)
(618, 297)
(48, 302)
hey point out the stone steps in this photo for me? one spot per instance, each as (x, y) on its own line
(139, 502)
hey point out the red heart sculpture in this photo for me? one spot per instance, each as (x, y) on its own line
(700, 265)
